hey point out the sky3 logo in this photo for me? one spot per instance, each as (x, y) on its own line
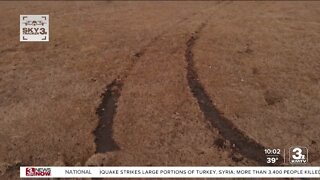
(34, 27)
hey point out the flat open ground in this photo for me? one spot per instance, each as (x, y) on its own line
(159, 83)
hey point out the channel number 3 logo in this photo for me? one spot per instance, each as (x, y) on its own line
(298, 154)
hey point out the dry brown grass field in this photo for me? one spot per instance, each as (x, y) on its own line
(159, 83)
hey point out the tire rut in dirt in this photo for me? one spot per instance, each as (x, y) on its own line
(106, 112)
(243, 144)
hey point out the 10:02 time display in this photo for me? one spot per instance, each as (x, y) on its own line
(272, 151)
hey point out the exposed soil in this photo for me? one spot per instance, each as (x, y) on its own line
(106, 112)
(244, 145)
(159, 83)
(257, 70)
(107, 109)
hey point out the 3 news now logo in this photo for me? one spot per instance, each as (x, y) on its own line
(38, 171)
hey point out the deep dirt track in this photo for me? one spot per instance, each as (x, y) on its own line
(159, 83)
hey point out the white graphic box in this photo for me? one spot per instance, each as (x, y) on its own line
(34, 28)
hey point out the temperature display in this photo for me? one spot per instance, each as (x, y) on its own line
(272, 160)
(272, 155)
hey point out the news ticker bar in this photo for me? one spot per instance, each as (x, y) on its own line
(170, 172)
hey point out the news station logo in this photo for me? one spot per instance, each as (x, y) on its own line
(38, 171)
(298, 155)
(34, 28)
